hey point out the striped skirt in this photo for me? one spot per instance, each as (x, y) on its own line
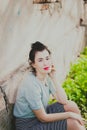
(35, 124)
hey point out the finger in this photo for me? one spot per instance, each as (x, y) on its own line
(53, 68)
(81, 122)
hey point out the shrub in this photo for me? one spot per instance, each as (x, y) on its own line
(75, 83)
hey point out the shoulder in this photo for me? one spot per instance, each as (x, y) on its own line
(49, 80)
(29, 77)
(51, 85)
(28, 81)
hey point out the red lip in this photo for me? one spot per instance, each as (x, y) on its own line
(46, 68)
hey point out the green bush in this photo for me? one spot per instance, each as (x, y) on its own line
(75, 84)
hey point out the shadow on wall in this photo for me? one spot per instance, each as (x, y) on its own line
(8, 91)
(7, 121)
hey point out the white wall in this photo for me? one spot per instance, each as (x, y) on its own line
(22, 23)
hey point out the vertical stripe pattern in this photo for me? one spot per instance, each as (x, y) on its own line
(35, 124)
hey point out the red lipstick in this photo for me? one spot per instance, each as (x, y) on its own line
(46, 68)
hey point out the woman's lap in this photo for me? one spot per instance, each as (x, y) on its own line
(34, 124)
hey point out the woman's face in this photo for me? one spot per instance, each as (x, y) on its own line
(42, 62)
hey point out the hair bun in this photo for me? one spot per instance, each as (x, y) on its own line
(36, 45)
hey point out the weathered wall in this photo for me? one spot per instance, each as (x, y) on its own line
(22, 23)
(6, 119)
(85, 8)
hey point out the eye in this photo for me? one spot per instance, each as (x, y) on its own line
(48, 58)
(40, 60)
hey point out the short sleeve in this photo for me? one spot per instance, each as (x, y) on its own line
(33, 96)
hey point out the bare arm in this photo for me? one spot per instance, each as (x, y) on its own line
(60, 94)
(44, 117)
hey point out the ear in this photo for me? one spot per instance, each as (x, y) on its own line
(33, 65)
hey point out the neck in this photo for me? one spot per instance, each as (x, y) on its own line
(41, 77)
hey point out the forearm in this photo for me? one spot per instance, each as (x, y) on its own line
(54, 117)
(61, 96)
(60, 93)
(45, 117)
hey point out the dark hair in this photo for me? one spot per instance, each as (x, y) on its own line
(35, 47)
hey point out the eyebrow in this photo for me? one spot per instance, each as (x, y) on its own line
(40, 58)
(45, 57)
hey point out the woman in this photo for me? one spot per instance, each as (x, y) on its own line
(31, 109)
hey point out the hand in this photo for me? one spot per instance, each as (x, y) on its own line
(71, 106)
(77, 117)
(52, 74)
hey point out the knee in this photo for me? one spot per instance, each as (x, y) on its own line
(74, 125)
(72, 106)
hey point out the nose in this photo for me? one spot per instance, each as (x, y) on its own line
(45, 63)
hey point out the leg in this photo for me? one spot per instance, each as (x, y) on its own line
(71, 106)
(71, 123)
(74, 125)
